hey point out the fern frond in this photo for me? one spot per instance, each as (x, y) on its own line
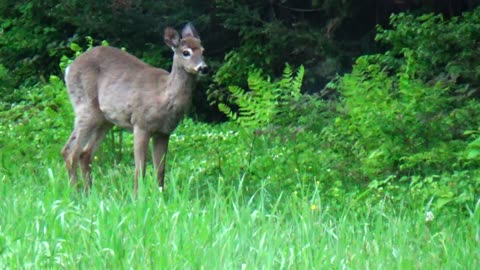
(227, 111)
(236, 91)
(297, 82)
(264, 100)
(287, 75)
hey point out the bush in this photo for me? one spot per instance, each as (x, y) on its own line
(405, 114)
(34, 129)
(39, 117)
(397, 123)
(440, 49)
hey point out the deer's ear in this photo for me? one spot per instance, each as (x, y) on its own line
(189, 31)
(171, 37)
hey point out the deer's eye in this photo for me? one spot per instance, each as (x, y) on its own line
(186, 53)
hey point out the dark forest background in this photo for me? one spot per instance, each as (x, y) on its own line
(324, 36)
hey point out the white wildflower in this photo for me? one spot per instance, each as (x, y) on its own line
(429, 216)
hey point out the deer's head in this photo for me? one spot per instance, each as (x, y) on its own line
(188, 50)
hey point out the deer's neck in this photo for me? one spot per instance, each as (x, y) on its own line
(180, 82)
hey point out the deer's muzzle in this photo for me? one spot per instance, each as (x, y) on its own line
(202, 69)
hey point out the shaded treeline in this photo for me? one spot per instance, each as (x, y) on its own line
(325, 36)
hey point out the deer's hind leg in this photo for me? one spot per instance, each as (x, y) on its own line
(70, 164)
(89, 122)
(88, 151)
(84, 128)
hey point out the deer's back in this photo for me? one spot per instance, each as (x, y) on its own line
(126, 90)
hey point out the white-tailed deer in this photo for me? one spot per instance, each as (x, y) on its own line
(110, 87)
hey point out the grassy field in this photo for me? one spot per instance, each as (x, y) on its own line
(218, 213)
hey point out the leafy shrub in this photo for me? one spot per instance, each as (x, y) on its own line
(6, 80)
(440, 49)
(404, 114)
(35, 128)
(393, 122)
(39, 117)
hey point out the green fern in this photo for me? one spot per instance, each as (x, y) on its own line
(227, 111)
(265, 100)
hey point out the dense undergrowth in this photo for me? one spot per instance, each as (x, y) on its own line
(405, 123)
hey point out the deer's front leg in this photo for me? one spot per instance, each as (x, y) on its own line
(140, 140)
(160, 147)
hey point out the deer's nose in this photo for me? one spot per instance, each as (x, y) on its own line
(203, 69)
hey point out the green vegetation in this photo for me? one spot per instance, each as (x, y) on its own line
(266, 101)
(211, 216)
(380, 170)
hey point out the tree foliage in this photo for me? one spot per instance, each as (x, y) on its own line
(240, 36)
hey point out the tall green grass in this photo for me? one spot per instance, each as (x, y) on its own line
(45, 224)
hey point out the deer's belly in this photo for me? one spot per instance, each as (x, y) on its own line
(119, 114)
(120, 119)
(162, 121)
